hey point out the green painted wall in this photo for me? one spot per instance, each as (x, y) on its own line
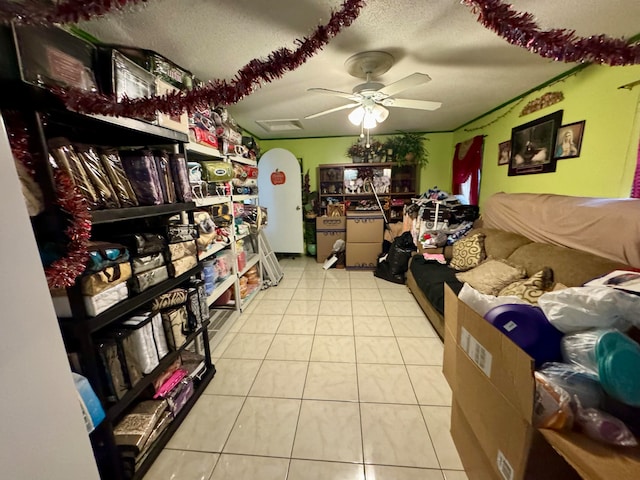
(608, 156)
(604, 169)
(320, 151)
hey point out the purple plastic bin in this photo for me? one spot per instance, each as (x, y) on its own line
(528, 328)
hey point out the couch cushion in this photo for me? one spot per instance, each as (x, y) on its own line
(570, 267)
(492, 275)
(431, 277)
(468, 252)
(501, 244)
(531, 288)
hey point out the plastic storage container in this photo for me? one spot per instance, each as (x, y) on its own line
(528, 328)
(613, 356)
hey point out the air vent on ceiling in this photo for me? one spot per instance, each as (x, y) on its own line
(284, 125)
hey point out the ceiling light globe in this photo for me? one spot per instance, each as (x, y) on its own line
(357, 116)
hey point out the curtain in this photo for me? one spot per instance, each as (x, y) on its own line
(635, 186)
(467, 162)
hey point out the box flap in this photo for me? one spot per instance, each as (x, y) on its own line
(594, 460)
(509, 367)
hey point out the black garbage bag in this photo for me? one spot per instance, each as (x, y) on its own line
(400, 253)
(383, 271)
(393, 266)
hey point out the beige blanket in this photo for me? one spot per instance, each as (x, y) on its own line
(608, 227)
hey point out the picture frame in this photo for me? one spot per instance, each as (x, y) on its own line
(533, 144)
(569, 140)
(504, 152)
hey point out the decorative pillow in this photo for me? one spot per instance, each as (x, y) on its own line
(468, 252)
(531, 288)
(492, 275)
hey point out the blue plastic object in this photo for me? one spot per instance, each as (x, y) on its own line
(528, 328)
(618, 367)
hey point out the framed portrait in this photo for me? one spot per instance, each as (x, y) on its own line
(533, 144)
(504, 152)
(569, 141)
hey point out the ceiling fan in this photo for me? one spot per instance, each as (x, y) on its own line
(371, 98)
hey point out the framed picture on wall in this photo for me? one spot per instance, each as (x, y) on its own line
(569, 141)
(533, 144)
(504, 152)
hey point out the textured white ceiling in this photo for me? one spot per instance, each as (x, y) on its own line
(472, 69)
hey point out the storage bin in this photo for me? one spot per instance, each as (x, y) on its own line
(172, 298)
(175, 326)
(146, 263)
(112, 370)
(94, 305)
(95, 283)
(182, 249)
(148, 279)
(142, 172)
(182, 266)
(179, 396)
(51, 56)
(613, 356)
(150, 344)
(528, 328)
(128, 356)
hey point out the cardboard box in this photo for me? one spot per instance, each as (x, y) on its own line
(180, 122)
(331, 224)
(365, 227)
(324, 242)
(362, 255)
(328, 230)
(493, 393)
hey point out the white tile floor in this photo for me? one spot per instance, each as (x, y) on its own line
(331, 375)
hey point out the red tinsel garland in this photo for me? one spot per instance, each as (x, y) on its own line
(559, 44)
(71, 11)
(64, 271)
(218, 92)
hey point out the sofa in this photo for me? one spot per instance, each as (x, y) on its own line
(571, 266)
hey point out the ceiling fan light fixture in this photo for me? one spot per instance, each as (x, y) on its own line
(369, 120)
(380, 113)
(357, 115)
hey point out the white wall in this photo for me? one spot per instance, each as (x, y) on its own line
(43, 433)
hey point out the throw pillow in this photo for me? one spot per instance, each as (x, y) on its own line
(468, 252)
(492, 275)
(531, 288)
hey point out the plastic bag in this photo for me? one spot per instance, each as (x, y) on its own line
(400, 253)
(580, 348)
(552, 408)
(482, 302)
(604, 427)
(580, 308)
(576, 381)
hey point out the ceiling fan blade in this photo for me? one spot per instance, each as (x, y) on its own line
(410, 81)
(336, 93)
(406, 103)
(331, 110)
